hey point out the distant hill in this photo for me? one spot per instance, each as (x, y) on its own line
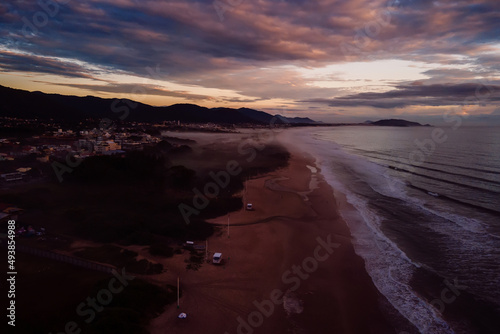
(24, 104)
(396, 122)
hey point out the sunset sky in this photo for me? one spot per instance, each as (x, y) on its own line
(331, 60)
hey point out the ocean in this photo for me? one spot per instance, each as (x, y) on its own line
(423, 208)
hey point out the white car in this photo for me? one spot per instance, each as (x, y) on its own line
(217, 259)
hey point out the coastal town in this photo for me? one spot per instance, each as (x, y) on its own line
(33, 148)
(90, 201)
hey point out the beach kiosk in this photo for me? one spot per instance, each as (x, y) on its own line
(217, 259)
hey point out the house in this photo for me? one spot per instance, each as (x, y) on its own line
(4, 217)
(23, 169)
(5, 157)
(114, 152)
(13, 212)
(11, 177)
(113, 145)
(44, 158)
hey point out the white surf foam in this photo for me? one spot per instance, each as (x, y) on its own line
(388, 266)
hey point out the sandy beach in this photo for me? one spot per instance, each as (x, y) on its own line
(289, 266)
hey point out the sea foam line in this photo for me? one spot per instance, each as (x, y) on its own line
(381, 255)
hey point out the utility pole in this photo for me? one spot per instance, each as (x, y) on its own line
(178, 283)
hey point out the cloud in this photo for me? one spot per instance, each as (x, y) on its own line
(257, 47)
(420, 95)
(138, 89)
(240, 100)
(12, 61)
(127, 34)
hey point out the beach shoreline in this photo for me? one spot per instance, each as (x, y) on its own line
(289, 266)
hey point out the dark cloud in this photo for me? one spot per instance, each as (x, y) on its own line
(10, 61)
(420, 95)
(196, 44)
(240, 100)
(130, 35)
(137, 90)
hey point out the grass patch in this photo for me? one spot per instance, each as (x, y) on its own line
(161, 249)
(121, 258)
(195, 260)
(48, 294)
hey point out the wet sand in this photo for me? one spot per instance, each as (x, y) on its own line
(289, 266)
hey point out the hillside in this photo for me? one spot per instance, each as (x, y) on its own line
(24, 104)
(396, 122)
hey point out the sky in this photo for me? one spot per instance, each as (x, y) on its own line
(331, 60)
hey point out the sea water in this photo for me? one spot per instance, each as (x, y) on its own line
(425, 216)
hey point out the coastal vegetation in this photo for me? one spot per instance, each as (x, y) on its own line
(111, 204)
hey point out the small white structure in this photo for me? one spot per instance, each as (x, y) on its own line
(217, 258)
(249, 207)
(9, 177)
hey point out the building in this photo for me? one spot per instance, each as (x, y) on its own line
(44, 158)
(12, 177)
(13, 212)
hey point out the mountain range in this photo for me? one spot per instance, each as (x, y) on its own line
(24, 104)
